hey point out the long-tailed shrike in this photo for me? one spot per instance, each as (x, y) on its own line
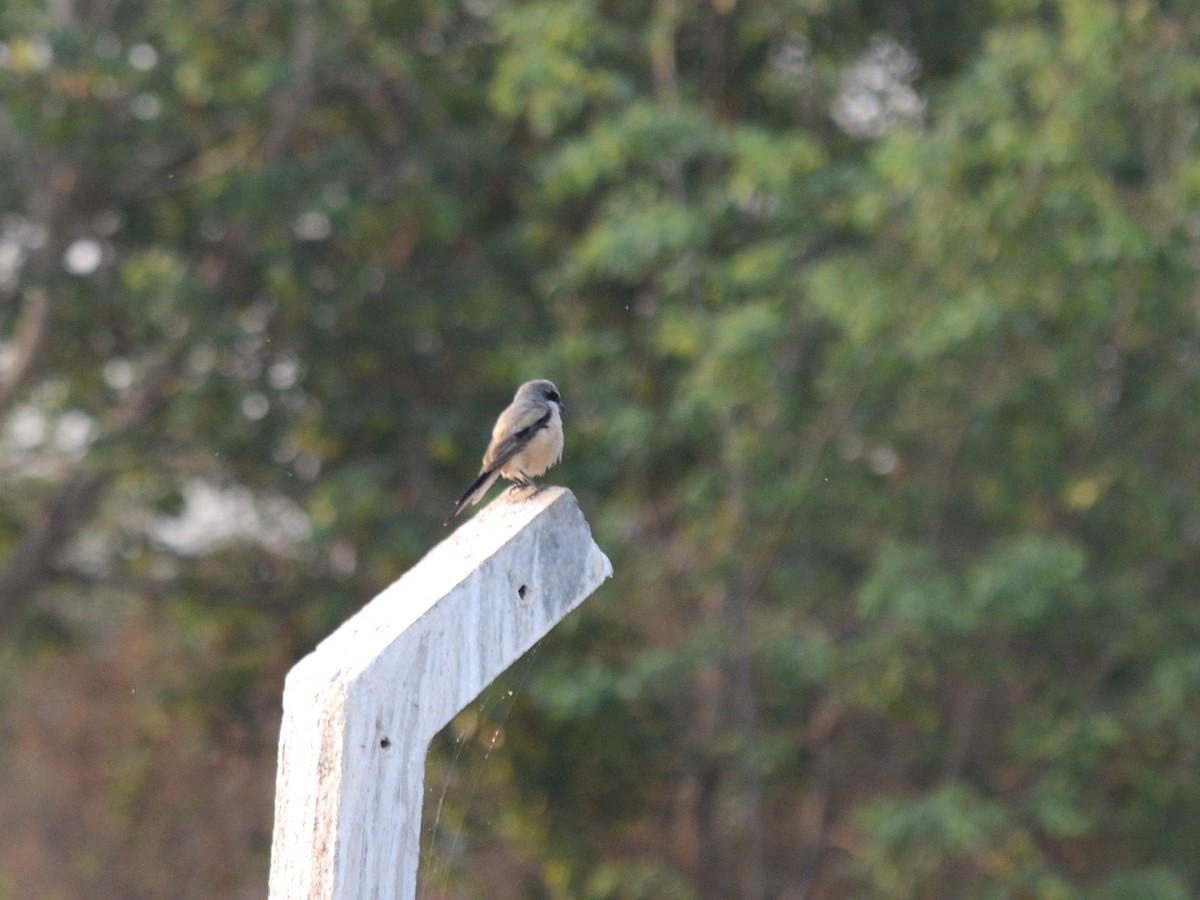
(527, 440)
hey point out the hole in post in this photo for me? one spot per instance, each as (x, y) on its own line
(521, 592)
(385, 743)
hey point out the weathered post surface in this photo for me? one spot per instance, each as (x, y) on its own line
(360, 710)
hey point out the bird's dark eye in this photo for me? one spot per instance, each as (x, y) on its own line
(553, 395)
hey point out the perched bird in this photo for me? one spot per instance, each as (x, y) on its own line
(527, 439)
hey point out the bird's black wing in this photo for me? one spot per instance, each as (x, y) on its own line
(501, 453)
(515, 443)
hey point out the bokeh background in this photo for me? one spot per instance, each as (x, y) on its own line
(878, 326)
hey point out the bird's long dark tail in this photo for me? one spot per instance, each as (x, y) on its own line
(477, 489)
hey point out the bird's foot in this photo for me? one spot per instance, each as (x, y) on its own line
(522, 483)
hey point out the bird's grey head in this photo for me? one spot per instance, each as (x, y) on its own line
(541, 390)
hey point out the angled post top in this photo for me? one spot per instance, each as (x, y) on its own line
(360, 710)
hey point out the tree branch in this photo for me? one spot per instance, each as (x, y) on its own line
(74, 499)
(28, 336)
(71, 503)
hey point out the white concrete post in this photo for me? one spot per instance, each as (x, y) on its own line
(360, 710)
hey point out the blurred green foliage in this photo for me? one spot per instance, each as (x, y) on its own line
(876, 324)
